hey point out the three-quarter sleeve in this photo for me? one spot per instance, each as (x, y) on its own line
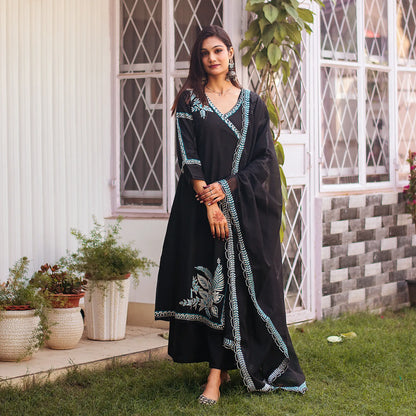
(186, 145)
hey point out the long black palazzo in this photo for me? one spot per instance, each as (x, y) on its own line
(224, 300)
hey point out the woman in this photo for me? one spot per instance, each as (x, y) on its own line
(220, 282)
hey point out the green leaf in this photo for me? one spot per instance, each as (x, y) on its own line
(254, 7)
(282, 31)
(308, 29)
(294, 33)
(286, 71)
(246, 43)
(261, 60)
(305, 15)
(246, 58)
(268, 34)
(274, 53)
(271, 12)
(255, 1)
(280, 153)
(274, 118)
(291, 11)
(253, 30)
(294, 3)
(262, 24)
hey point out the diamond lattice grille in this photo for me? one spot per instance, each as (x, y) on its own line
(294, 261)
(339, 125)
(339, 30)
(190, 17)
(142, 168)
(406, 94)
(376, 25)
(141, 36)
(406, 32)
(292, 96)
(377, 126)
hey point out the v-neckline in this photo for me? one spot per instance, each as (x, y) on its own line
(233, 109)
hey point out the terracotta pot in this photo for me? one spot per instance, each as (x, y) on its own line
(66, 327)
(106, 303)
(60, 300)
(18, 308)
(17, 330)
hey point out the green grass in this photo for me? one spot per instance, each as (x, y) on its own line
(373, 374)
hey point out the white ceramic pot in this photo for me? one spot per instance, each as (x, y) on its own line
(66, 326)
(17, 334)
(106, 309)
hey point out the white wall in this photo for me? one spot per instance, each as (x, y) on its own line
(55, 124)
(147, 235)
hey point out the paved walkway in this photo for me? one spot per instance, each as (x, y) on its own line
(141, 344)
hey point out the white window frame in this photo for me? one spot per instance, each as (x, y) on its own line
(231, 23)
(361, 66)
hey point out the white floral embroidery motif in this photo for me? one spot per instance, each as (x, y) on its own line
(197, 106)
(206, 291)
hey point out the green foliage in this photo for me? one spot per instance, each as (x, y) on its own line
(409, 191)
(271, 36)
(101, 256)
(57, 279)
(373, 374)
(18, 291)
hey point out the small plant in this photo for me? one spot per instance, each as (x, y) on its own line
(102, 257)
(57, 279)
(17, 293)
(409, 191)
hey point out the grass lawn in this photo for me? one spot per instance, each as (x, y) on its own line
(373, 374)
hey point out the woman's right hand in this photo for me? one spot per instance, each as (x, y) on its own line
(217, 222)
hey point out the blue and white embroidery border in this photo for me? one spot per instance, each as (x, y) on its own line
(191, 317)
(185, 160)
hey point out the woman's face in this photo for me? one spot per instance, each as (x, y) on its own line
(215, 56)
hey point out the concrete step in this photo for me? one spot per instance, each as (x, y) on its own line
(141, 344)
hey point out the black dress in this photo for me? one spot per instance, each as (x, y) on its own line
(225, 301)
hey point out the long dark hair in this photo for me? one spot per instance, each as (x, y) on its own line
(196, 76)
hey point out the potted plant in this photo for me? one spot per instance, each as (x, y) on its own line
(409, 192)
(23, 323)
(63, 289)
(109, 266)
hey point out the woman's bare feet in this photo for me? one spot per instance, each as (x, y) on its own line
(212, 388)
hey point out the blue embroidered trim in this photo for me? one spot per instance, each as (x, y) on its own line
(297, 389)
(184, 115)
(185, 160)
(232, 219)
(248, 274)
(191, 317)
(242, 140)
(197, 106)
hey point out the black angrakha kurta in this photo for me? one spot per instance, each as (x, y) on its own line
(225, 300)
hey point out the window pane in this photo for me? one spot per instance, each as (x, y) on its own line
(377, 126)
(406, 32)
(406, 94)
(339, 30)
(190, 17)
(339, 126)
(141, 141)
(141, 36)
(376, 25)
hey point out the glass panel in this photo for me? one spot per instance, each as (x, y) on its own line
(141, 141)
(339, 30)
(339, 126)
(406, 32)
(406, 94)
(376, 25)
(141, 36)
(190, 16)
(292, 96)
(294, 265)
(377, 126)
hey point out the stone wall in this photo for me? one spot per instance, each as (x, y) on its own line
(368, 250)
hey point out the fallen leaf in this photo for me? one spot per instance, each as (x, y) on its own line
(349, 335)
(334, 339)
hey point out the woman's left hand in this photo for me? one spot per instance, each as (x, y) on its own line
(211, 193)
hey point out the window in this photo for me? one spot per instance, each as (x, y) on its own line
(356, 75)
(155, 41)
